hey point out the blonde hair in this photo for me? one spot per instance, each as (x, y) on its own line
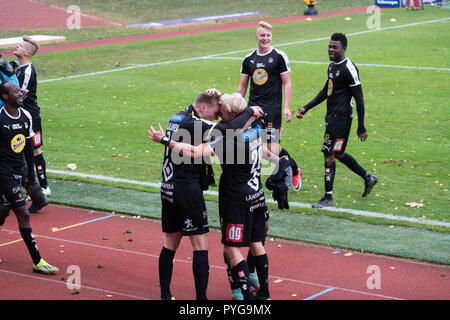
(265, 25)
(33, 42)
(234, 102)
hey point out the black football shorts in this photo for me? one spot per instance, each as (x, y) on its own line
(272, 125)
(242, 222)
(37, 126)
(11, 191)
(337, 130)
(184, 210)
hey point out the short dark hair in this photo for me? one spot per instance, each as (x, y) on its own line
(3, 89)
(203, 97)
(340, 37)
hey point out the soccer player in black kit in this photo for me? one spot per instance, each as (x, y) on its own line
(268, 71)
(342, 84)
(26, 73)
(242, 205)
(183, 181)
(16, 133)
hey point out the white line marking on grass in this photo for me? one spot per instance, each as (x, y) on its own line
(359, 64)
(138, 66)
(292, 204)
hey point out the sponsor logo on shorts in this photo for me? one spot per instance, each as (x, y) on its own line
(37, 139)
(235, 232)
(338, 145)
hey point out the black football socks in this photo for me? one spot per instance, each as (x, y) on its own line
(262, 269)
(234, 284)
(330, 171)
(240, 272)
(165, 265)
(27, 237)
(39, 163)
(200, 268)
(353, 165)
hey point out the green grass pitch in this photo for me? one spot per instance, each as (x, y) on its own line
(100, 121)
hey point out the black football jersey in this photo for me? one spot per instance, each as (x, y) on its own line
(13, 134)
(341, 76)
(264, 73)
(240, 156)
(186, 127)
(28, 83)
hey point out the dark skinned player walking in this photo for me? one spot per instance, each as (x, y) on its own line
(16, 135)
(342, 84)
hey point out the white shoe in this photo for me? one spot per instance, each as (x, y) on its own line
(47, 191)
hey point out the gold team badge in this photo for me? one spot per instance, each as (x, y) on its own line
(18, 143)
(330, 87)
(260, 76)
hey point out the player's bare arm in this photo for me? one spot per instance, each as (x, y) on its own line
(243, 84)
(287, 88)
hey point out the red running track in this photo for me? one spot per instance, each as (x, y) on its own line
(34, 15)
(118, 257)
(173, 33)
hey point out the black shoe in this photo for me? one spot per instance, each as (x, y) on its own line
(369, 184)
(324, 202)
(261, 296)
(167, 297)
(39, 200)
(35, 207)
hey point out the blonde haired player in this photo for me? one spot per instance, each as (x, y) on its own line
(27, 75)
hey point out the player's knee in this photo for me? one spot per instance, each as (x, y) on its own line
(229, 253)
(329, 158)
(4, 213)
(172, 240)
(37, 152)
(339, 156)
(199, 242)
(257, 248)
(23, 216)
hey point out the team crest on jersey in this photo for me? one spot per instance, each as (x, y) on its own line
(260, 76)
(18, 143)
(330, 87)
(270, 60)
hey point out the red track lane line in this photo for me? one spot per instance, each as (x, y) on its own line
(211, 266)
(81, 287)
(175, 33)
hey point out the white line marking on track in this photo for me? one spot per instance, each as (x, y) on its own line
(293, 204)
(64, 283)
(189, 262)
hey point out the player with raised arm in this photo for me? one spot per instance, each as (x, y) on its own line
(27, 75)
(242, 206)
(183, 181)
